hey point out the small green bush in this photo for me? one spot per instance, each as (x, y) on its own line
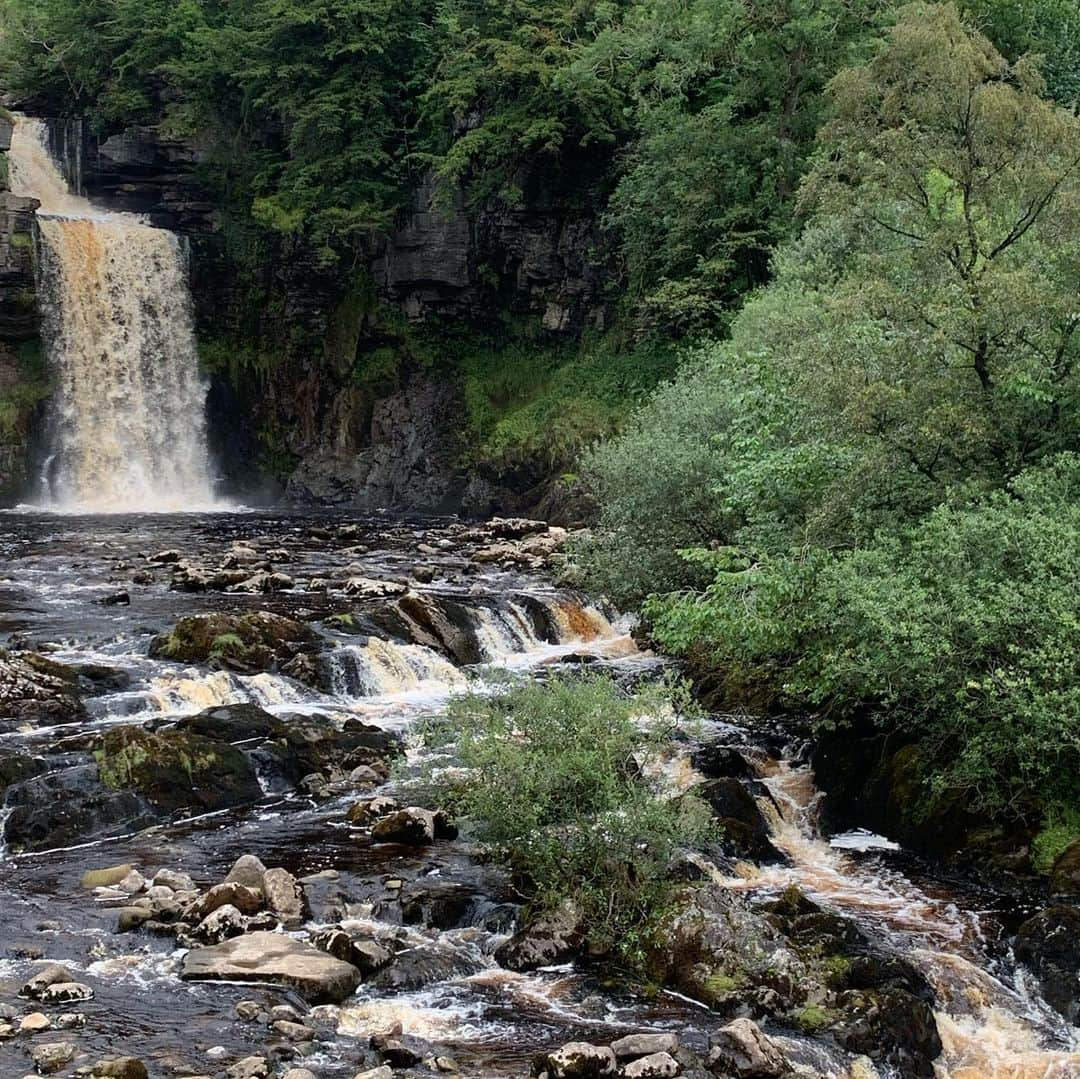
(550, 785)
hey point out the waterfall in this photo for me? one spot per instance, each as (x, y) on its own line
(127, 428)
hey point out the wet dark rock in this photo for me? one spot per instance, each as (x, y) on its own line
(399, 1052)
(116, 599)
(230, 723)
(1064, 876)
(175, 770)
(717, 761)
(894, 1028)
(37, 691)
(416, 967)
(742, 1050)
(130, 918)
(1049, 946)
(272, 957)
(71, 806)
(438, 904)
(15, 767)
(259, 641)
(745, 830)
(546, 941)
(411, 827)
(367, 956)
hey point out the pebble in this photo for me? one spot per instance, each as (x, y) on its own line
(248, 1009)
(249, 1068)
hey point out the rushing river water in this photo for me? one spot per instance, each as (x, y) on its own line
(55, 575)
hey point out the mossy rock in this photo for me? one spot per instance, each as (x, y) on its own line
(176, 770)
(260, 641)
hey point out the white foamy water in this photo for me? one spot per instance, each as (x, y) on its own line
(127, 425)
(989, 1029)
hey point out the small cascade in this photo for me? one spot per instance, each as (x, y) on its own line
(382, 668)
(127, 427)
(185, 695)
(990, 1029)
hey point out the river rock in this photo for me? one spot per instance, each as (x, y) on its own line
(546, 941)
(642, 1045)
(119, 1068)
(65, 993)
(169, 878)
(249, 1068)
(257, 641)
(230, 723)
(413, 827)
(221, 924)
(52, 1056)
(43, 977)
(742, 1050)
(294, 1032)
(272, 957)
(892, 1027)
(369, 588)
(367, 956)
(105, 878)
(37, 691)
(745, 831)
(581, 1060)
(298, 1073)
(175, 770)
(34, 1023)
(129, 918)
(284, 896)
(370, 809)
(654, 1066)
(243, 899)
(248, 871)
(1049, 946)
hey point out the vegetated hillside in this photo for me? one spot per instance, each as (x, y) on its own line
(864, 504)
(531, 206)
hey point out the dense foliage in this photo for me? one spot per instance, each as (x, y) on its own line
(549, 782)
(873, 475)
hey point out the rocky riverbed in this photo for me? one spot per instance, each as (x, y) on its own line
(213, 863)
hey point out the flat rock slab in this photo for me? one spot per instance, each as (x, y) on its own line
(272, 957)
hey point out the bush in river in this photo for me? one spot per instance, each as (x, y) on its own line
(552, 784)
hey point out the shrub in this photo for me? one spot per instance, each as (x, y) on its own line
(551, 786)
(961, 629)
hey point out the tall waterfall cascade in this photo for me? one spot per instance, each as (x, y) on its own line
(127, 427)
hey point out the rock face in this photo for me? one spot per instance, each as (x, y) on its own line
(1049, 945)
(271, 957)
(23, 382)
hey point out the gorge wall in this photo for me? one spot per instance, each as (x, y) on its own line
(23, 384)
(334, 385)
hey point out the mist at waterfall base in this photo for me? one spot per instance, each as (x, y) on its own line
(57, 572)
(126, 424)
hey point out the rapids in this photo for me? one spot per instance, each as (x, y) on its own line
(56, 573)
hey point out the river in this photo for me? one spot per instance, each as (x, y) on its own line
(60, 586)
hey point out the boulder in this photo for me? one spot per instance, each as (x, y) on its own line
(745, 831)
(258, 641)
(249, 871)
(43, 977)
(284, 896)
(546, 941)
(412, 827)
(229, 723)
(1049, 946)
(36, 691)
(654, 1066)
(244, 899)
(642, 1045)
(741, 1049)
(221, 924)
(52, 1056)
(367, 956)
(119, 1068)
(175, 770)
(272, 957)
(581, 1060)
